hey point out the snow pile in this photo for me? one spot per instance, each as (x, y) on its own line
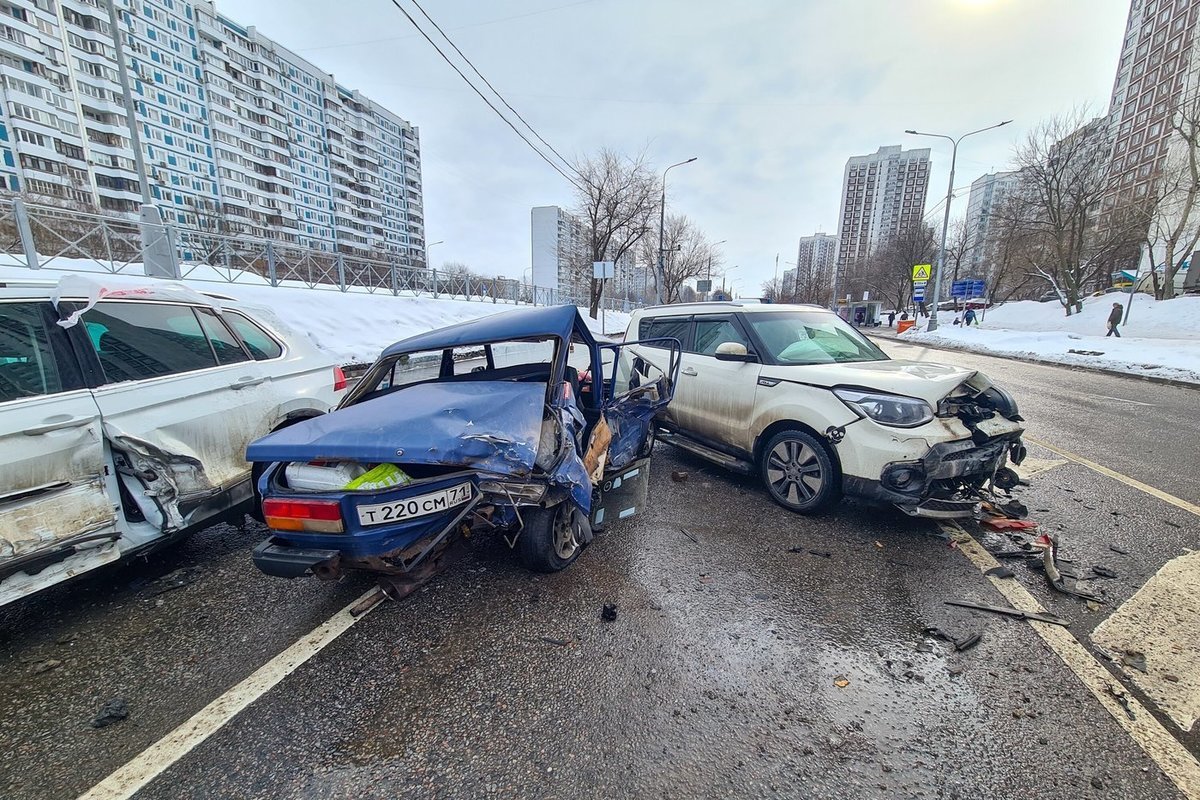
(1162, 339)
(352, 326)
(1149, 318)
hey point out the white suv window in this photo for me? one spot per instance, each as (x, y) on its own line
(713, 332)
(28, 367)
(138, 340)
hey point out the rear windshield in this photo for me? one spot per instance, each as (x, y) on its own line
(521, 360)
(806, 337)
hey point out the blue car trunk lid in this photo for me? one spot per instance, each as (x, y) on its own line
(492, 426)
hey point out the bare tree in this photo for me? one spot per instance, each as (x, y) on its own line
(888, 270)
(1173, 206)
(616, 199)
(1064, 174)
(957, 251)
(686, 257)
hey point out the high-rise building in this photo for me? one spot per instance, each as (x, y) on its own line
(1157, 66)
(883, 194)
(815, 259)
(988, 193)
(238, 135)
(557, 244)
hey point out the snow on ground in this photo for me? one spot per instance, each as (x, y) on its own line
(352, 326)
(1161, 340)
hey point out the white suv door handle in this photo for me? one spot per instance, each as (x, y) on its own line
(689, 371)
(57, 425)
(243, 383)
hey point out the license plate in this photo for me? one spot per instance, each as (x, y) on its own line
(412, 507)
(997, 426)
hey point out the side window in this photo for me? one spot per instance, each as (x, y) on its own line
(713, 332)
(257, 341)
(225, 345)
(663, 328)
(28, 365)
(139, 340)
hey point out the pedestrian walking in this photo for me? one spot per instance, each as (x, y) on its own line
(891, 318)
(1114, 319)
(903, 315)
(859, 317)
(969, 318)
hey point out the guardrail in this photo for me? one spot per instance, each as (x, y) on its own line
(44, 237)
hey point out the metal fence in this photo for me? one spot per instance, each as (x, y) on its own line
(49, 238)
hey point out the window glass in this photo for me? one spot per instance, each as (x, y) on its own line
(27, 363)
(225, 345)
(147, 340)
(258, 342)
(663, 328)
(802, 338)
(713, 332)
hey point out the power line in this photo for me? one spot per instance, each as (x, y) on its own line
(484, 98)
(493, 88)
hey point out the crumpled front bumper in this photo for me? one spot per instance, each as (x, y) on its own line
(918, 487)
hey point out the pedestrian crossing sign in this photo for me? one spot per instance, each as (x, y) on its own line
(921, 272)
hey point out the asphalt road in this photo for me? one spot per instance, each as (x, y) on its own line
(735, 667)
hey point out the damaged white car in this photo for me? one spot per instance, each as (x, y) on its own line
(124, 418)
(804, 400)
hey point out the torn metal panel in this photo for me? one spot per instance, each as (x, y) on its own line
(47, 520)
(493, 426)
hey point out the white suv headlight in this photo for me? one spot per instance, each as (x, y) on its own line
(887, 409)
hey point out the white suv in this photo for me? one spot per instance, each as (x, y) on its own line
(795, 394)
(125, 427)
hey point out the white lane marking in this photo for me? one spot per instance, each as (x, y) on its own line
(1149, 734)
(1032, 466)
(1162, 620)
(1125, 479)
(1123, 400)
(156, 758)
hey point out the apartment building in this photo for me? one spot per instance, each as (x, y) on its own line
(815, 259)
(988, 193)
(557, 244)
(238, 134)
(883, 194)
(1158, 67)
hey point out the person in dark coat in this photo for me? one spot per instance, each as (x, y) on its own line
(891, 318)
(1114, 319)
(969, 318)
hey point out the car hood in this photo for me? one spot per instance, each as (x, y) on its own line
(930, 382)
(492, 426)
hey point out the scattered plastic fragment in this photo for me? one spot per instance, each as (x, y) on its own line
(1135, 659)
(1005, 524)
(999, 572)
(1116, 549)
(1011, 612)
(879, 544)
(841, 682)
(686, 533)
(609, 612)
(679, 476)
(1104, 572)
(46, 666)
(114, 710)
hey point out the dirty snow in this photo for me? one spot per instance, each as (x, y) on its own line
(352, 326)
(1161, 340)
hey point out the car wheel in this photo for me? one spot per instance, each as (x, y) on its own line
(552, 537)
(799, 473)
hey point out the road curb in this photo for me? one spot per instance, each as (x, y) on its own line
(1045, 361)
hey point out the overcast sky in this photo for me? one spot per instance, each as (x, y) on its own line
(772, 96)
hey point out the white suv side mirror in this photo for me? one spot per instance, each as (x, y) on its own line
(732, 351)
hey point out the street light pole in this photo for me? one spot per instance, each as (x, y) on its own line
(428, 247)
(937, 278)
(661, 275)
(708, 274)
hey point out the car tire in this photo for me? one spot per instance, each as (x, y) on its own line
(551, 538)
(799, 473)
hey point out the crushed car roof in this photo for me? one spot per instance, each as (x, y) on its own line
(525, 323)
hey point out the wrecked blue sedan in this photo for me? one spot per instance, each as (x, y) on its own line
(519, 423)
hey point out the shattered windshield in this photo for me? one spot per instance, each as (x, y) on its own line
(800, 338)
